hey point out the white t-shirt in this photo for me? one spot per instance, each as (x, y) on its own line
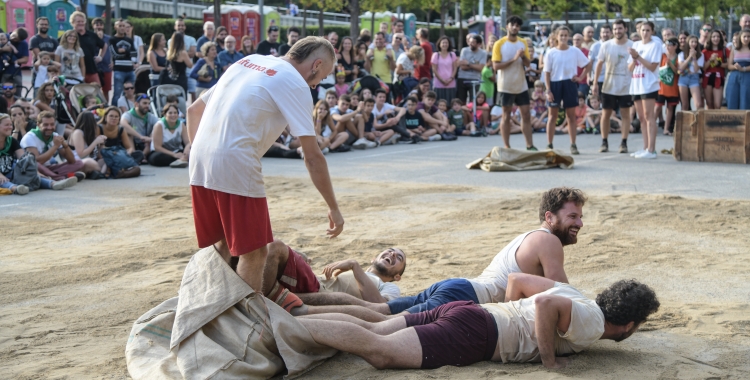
(517, 341)
(347, 283)
(615, 70)
(691, 69)
(387, 107)
(255, 99)
(564, 64)
(30, 140)
(646, 81)
(406, 64)
(512, 79)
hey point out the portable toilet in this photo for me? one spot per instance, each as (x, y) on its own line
(251, 25)
(21, 15)
(3, 20)
(58, 12)
(235, 21)
(270, 17)
(410, 25)
(208, 15)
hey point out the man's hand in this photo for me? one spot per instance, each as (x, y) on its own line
(97, 59)
(518, 55)
(595, 89)
(145, 139)
(633, 53)
(559, 363)
(3, 179)
(101, 139)
(339, 267)
(336, 223)
(57, 141)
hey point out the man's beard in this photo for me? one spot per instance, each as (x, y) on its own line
(513, 34)
(564, 235)
(43, 30)
(381, 269)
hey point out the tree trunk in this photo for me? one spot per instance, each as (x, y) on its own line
(443, 11)
(373, 31)
(304, 21)
(217, 15)
(84, 5)
(108, 17)
(354, 18)
(680, 27)
(321, 30)
(567, 19)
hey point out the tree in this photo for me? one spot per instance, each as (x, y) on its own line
(354, 18)
(377, 6)
(217, 14)
(108, 17)
(554, 9)
(306, 4)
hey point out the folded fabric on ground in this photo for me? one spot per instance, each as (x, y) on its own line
(218, 327)
(506, 159)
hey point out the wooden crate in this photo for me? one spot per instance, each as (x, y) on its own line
(712, 136)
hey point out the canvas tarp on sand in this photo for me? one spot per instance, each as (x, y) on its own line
(507, 159)
(218, 327)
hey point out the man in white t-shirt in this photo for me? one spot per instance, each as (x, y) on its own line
(644, 60)
(537, 252)
(289, 271)
(510, 57)
(615, 89)
(561, 76)
(54, 157)
(231, 126)
(543, 321)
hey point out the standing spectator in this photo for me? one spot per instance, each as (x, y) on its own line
(425, 70)
(208, 36)
(605, 33)
(361, 54)
(206, 70)
(230, 55)
(643, 62)
(157, 57)
(45, 144)
(444, 66)
(582, 83)
(138, 123)
(488, 80)
(178, 62)
(715, 57)
(399, 44)
(105, 66)
(91, 44)
(124, 55)
(510, 57)
(587, 38)
(221, 35)
(271, 45)
(380, 61)
(690, 63)
(86, 140)
(682, 38)
(333, 38)
(705, 35)
(71, 57)
(615, 87)
(42, 42)
(398, 27)
(471, 63)
(738, 84)
(669, 92)
(248, 46)
(137, 42)
(169, 143)
(560, 67)
(190, 47)
(19, 49)
(292, 35)
(347, 58)
(127, 100)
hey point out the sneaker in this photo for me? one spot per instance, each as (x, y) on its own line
(637, 153)
(549, 147)
(415, 139)
(393, 140)
(371, 144)
(604, 148)
(484, 132)
(647, 154)
(21, 190)
(405, 140)
(325, 150)
(341, 149)
(573, 149)
(360, 144)
(532, 148)
(435, 138)
(178, 164)
(64, 184)
(96, 175)
(80, 175)
(623, 147)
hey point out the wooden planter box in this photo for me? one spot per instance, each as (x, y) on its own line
(712, 136)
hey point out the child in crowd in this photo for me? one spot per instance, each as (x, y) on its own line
(538, 108)
(443, 107)
(332, 98)
(581, 113)
(41, 69)
(496, 115)
(7, 57)
(488, 80)
(458, 120)
(386, 137)
(483, 109)
(365, 94)
(92, 104)
(414, 122)
(355, 101)
(341, 86)
(594, 117)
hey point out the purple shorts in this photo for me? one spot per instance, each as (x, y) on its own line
(458, 333)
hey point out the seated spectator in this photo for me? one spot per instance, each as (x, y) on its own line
(10, 152)
(93, 105)
(206, 71)
(117, 135)
(169, 142)
(365, 94)
(581, 113)
(45, 144)
(9, 91)
(594, 116)
(174, 99)
(70, 56)
(483, 109)
(45, 98)
(328, 135)
(538, 107)
(372, 130)
(355, 103)
(41, 67)
(31, 111)
(21, 123)
(127, 100)
(86, 141)
(496, 116)
(433, 119)
(459, 121)
(229, 55)
(421, 89)
(341, 86)
(414, 122)
(332, 98)
(139, 124)
(351, 121)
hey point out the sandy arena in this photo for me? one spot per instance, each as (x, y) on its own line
(75, 277)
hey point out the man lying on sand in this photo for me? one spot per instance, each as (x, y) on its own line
(538, 252)
(542, 321)
(291, 281)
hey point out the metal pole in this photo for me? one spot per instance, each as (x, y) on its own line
(174, 9)
(503, 13)
(117, 9)
(398, 12)
(481, 7)
(262, 21)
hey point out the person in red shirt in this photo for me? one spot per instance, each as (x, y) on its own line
(715, 56)
(424, 70)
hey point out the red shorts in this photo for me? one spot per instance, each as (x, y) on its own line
(242, 221)
(298, 277)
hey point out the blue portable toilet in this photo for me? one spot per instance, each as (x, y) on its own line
(58, 12)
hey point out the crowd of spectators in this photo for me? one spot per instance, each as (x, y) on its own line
(387, 88)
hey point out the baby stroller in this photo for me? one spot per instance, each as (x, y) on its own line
(66, 113)
(79, 91)
(159, 94)
(142, 79)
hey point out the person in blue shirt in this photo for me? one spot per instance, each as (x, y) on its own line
(230, 55)
(19, 48)
(207, 70)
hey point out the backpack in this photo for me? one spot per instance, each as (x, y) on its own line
(26, 173)
(120, 163)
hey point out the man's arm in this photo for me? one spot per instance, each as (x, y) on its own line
(552, 315)
(67, 153)
(344, 118)
(318, 169)
(194, 115)
(428, 118)
(524, 285)
(370, 292)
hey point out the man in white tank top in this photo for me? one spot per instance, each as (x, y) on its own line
(538, 252)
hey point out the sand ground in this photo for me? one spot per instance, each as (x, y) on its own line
(71, 287)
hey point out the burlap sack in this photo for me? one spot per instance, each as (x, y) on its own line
(507, 159)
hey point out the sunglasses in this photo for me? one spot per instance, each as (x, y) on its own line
(128, 88)
(706, 30)
(8, 87)
(273, 29)
(141, 97)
